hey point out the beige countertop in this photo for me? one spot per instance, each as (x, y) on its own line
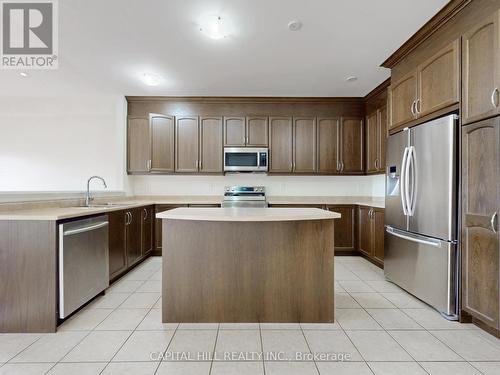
(60, 211)
(247, 214)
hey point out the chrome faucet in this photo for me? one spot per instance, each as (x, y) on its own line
(88, 198)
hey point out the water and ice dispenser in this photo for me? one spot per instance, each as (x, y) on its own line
(392, 184)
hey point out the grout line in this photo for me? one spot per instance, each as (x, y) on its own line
(309, 347)
(215, 347)
(262, 350)
(166, 349)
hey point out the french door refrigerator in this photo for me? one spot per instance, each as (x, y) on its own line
(421, 253)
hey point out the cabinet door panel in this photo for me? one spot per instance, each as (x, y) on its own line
(383, 137)
(139, 148)
(378, 234)
(147, 229)
(480, 75)
(365, 231)
(403, 94)
(438, 80)
(234, 131)
(117, 243)
(134, 236)
(480, 207)
(257, 131)
(162, 143)
(345, 227)
(351, 145)
(157, 225)
(281, 145)
(211, 148)
(186, 144)
(372, 142)
(328, 129)
(304, 141)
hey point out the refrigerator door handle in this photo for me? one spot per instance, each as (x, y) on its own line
(412, 196)
(411, 237)
(403, 181)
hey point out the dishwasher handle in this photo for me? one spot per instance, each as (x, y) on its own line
(89, 228)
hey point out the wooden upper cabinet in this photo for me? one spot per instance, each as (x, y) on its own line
(257, 131)
(211, 144)
(186, 144)
(234, 131)
(438, 80)
(351, 145)
(480, 209)
(281, 144)
(403, 95)
(304, 144)
(481, 70)
(162, 143)
(138, 143)
(327, 141)
(372, 142)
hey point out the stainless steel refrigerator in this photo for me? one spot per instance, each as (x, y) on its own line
(421, 213)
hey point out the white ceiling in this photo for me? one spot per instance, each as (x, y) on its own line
(105, 45)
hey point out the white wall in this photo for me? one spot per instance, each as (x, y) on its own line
(56, 143)
(276, 185)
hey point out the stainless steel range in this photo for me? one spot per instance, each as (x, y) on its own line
(244, 196)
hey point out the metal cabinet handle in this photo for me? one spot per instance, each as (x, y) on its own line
(376, 163)
(342, 166)
(494, 97)
(148, 165)
(131, 218)
(417, 106)
(85, 229)
(412, 108)
(200, 165)
(127, 218)
(145, 213)
(493, 222)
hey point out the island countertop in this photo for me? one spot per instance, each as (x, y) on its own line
(248, 214)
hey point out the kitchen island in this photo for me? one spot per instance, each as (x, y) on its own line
(248, 265)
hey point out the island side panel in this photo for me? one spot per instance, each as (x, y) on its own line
(28, 265)
(248, 271)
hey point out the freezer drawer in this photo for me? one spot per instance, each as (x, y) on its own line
(423, 266)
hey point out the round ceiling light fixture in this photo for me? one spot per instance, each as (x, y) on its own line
(351, 79)
(151, 79)
(214, 26)
(294, 25)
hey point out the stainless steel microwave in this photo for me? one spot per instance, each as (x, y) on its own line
(245, 159)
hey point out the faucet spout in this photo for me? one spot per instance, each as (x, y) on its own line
(88, 198)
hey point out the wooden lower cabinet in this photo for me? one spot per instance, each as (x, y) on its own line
(345, 228)
(117, 243)
(480, 209)
(371, 233)
(147, 232)
(157, 225)
(134, 236)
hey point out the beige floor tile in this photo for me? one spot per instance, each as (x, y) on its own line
(157, 305)
(423, 346)
(77, 369)
(144, 346)
(290, 368)
(148, 265)
(332, 342)
(234, 341)
(85, 320)
(122, 320)
(469, 345)
(369, 275)
(239, 326)
(192, 342)
(140, 301)
(449, 368)
(275, 326)
(487, 368)
(345, 275)
(108, 301)
(152, 322)
(51, 347)
(431, 319)
(139, 275)
(378, 346)
(320, 326)
(150, 286)
(12, 344)
(396, 368)
(343, 368)
(130, 368)
(98, 346)
(199, 326)
(356, 319)
(338, 288)
(289, 342)
(25, 368)
(156, 276)
(345, 301)
(372, 301)
(382, 286)
(184, 368)
(355, 286)
(240, 368)
(124, 286)
(391, 319)
(404, 300)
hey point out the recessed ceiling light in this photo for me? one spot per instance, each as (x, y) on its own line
(151, 79)
(351, 79)
(294, 25)
(23, 74)
(214, 26)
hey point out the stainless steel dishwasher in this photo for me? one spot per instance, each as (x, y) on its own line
(83, 262)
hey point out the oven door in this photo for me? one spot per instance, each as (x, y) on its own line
(243, 159)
